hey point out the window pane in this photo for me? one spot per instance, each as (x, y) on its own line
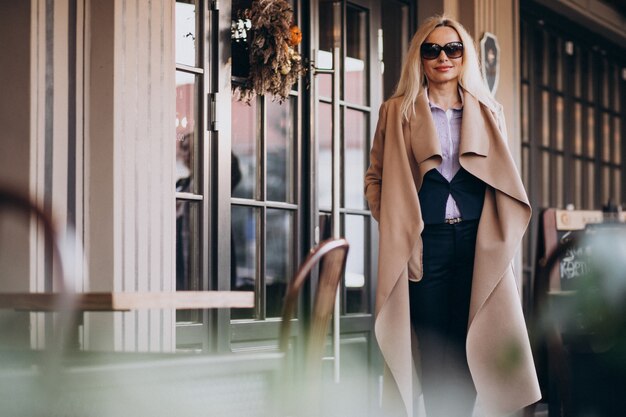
(280, 156)
(617, 185)
(243, 254)
(578, 71)
(559, 181)
(186, 33)
(355, 280)
(326, 42)
(546, 61)
(578, 184)
(617, 80)
(560, 110)
(244, 147)
(591, 70)
(187, 245)
(591, 181)
(606, 137)
(186, 133)
(591, 132)
(188, 251)
(526, 167)
(325, 161)
(578, 129)
(354, 154)
(525, 115)
(279, 262)
(545, 119)
(524, 48)
(604, 76)
(617, 143)
(558, 56)
(545, 183)
(606, 184)
(356, 61)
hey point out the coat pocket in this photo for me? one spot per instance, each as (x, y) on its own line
(415, 266)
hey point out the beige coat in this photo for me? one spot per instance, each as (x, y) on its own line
(498, 349)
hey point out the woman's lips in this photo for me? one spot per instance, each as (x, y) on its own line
(443, 69)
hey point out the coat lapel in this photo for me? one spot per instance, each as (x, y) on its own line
(424, 140)
(473, 128)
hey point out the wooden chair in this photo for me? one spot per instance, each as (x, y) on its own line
(331, 256)
(16, 203)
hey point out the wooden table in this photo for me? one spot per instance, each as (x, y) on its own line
(126, 301)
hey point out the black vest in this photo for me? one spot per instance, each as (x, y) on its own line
(467, 190)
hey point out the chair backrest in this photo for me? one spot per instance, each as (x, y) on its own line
(20, 203)
(17, 203)
(331, 256)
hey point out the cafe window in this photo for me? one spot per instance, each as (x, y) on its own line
(190, 141)
(572, 118)
(265, 192)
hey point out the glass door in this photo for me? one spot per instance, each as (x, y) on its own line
(346, 93)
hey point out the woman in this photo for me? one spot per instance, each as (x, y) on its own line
(452, 211)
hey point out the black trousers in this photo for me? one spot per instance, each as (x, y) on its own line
(439, 316)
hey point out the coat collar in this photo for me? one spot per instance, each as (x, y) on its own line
(425, 142)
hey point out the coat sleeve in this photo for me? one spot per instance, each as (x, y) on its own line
(374, 174)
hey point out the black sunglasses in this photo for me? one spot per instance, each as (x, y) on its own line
(432, 50)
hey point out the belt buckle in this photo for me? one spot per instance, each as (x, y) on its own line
(453, 221)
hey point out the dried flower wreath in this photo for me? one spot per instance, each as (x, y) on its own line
(275, 64)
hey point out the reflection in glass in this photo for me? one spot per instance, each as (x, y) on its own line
(354, 158)
(325, 81)
(616, 82)
(186, 33)
(526, 166)
(546, 61)
(591, 180)
(578, 183)
(604, 76)
(591, 69)
(560, 110)
(545, 185)
(559, 181)
(326, 42)
(617, 142)
(187, 253)
(545, 118)
(243, 253)
(279, 259)
(186, 130)
(578, 129)
(606, 184)
(524, 48)
(591, 132)
(244, 147)
(617, 185)
(355, 280)
(606, 137)
(187, 245)
(355, 65)
(280, 158)
(325, 157)
(558, 56)
(578, 71)
(525, 115)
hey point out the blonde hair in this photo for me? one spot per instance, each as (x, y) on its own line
(413, 79)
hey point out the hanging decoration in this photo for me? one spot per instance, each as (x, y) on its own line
(274, 62)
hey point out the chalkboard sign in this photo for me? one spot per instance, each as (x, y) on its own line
(574, 264)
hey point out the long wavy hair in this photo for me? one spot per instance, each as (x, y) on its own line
(413, 78)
